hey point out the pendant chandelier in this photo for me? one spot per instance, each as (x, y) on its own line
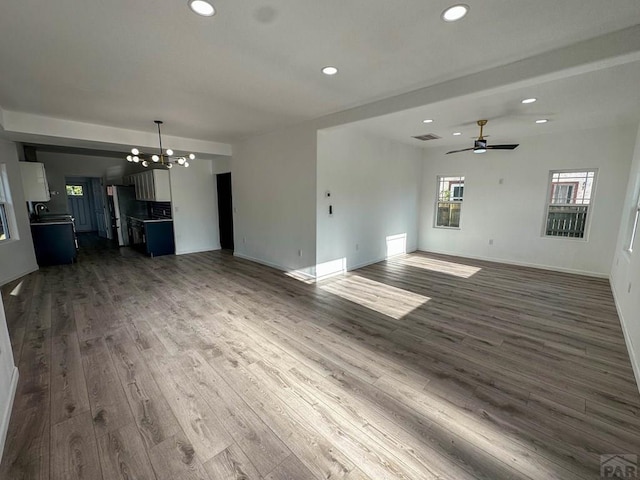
(164, 157)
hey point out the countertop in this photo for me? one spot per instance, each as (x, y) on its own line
(53, 222)
(149, 219)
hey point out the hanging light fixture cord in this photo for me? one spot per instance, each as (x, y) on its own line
(159, 122)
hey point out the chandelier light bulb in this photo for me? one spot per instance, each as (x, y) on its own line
(129, 158)
(181, 160)
(136, 158)
(155, 158)
(169, 165)
(169, 152)
(186, 164)
(192, 156)
(135, 151)
(145, 163)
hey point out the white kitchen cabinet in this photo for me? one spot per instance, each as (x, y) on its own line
(152, 186)
(161, 186)
(34, 182)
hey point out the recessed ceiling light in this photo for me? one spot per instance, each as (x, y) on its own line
(529, 100)
(428, 120)
(202, 7)
(456, 12)
(542, 120)
(455, 134)
(329, 70)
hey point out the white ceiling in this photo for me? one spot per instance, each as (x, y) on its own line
(255, 66)
(596, 99)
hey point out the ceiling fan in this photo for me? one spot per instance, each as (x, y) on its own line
(480, 144)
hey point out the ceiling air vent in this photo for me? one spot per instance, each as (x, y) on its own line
(427, 136)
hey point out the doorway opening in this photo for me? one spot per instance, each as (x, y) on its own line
(86, 201)
(225, 210)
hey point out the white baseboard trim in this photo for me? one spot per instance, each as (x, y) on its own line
(521, 264)
(4, 281)
(197, 250)
(371, 262)
(261, 262)
(6, 415)
(635, 362)
(307, 275)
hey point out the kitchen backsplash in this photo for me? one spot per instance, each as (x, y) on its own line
(160, 210)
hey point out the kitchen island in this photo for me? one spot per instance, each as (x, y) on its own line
(152, 236)
(54, 241)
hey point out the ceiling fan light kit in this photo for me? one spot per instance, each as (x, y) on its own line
(480, 144)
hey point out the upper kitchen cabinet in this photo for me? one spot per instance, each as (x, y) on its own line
(34, 182)
(152, 185)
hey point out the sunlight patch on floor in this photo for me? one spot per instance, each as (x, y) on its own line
(16, 291)
(392, 301)
(441, 266)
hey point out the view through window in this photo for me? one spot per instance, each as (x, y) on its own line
(75, 190)
(569, 199)
(449, 201)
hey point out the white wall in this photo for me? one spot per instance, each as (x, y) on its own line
(374, 186)
(61, 165)
(194, 200)
(274, 196)
(512, 213)
(8, 378)
(17, 257)
(625, 271)
(221, 165)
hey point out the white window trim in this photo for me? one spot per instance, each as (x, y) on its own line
(634, 228)
(435, 206)
(6, 201)
(587, 227)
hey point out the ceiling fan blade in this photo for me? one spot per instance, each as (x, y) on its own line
(510, 146)
(463, 150)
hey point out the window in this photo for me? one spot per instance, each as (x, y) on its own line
(75, 190)
(449, 201)
(569, 198)
(6, 213)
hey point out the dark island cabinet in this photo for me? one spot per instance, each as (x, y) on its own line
(54, 243)
(159, 238)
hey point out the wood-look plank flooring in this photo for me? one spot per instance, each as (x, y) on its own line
(209, 367)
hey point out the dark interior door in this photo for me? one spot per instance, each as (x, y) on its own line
(225, 210)
(80, 201)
